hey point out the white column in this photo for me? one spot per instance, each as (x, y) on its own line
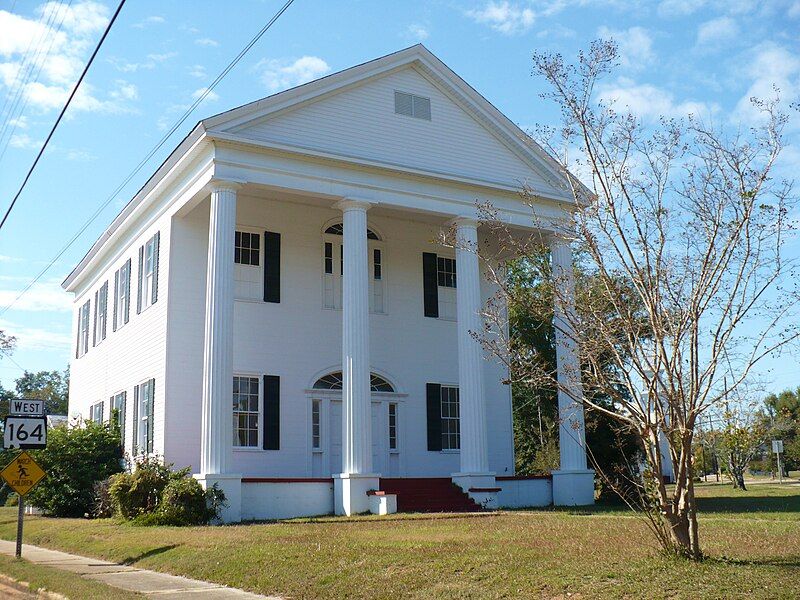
(217, 401)
(573, 483)
(356, 404)
(356, 479)
(474, 450)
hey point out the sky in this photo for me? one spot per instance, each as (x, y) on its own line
(706, 57)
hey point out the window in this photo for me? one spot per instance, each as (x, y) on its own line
(148, 274)
(122, 295)
(96, 413)
(316, 436)
(392, 426)
(118, 402)
(144, 422)
(83, 330)
(333, 252)
(100, 313)
(248, 269)
(412, 106)
(451, 432)
(446, 281)
(334, 381)
(245, 412)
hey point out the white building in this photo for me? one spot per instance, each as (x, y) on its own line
(280, 271)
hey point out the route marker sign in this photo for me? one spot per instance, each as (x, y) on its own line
(24, 433)
(22, 474)
(24, 407)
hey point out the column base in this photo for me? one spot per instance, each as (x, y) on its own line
(350, 492)
(231, 486)
(481, 487)
(573, 488)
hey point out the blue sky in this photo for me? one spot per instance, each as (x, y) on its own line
(678, 56)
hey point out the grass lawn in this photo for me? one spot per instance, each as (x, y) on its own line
(752, 538)
(61, 582)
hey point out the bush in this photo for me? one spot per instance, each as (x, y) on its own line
(74, 460)
(103, 507)
(154, 494)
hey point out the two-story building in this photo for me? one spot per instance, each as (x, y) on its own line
(273, 307)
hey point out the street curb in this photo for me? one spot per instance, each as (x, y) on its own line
(24, 586)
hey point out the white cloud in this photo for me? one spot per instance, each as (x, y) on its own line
(152, 20)
(35, 338)
(679, 8)
(124, 91)
(635, 46)
(24, 141)
(43, 296)
(162, 57)
(717, 30)
(207, 42)
(9, 259)
(507, 18)
(198, 71)
(211, 97)
(794, 10)
(418, 32)
(279, 74)
(650, 102)
(769, 65)
(65, 34)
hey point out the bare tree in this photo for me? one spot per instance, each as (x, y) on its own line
(680, 228)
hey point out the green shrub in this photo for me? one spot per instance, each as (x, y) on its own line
(74, 460)
(103, 507)
(154, 494)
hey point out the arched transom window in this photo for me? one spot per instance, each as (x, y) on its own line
(333, 381)
(338, 229)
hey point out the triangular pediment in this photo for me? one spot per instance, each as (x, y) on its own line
(354, 118)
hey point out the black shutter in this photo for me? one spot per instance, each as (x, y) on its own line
(128, 293)
(272, 267)
(150, 414)
(104, 289)
(114, 301)
(433, 393)
(154, 291)
(141, 272)
(78, 340)
(430, 285)
(272, 412)
(134, 447)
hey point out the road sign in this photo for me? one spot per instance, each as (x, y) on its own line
(22, 474)
(25, 433)
(23, 407)
(777, 446)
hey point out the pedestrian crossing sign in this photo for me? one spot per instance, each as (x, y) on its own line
(22, 474)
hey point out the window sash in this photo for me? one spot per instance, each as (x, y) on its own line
(316, 425)
(451, 425)
(392, 426)
(144, 424)
(247, 411)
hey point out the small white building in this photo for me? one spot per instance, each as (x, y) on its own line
(273, 309)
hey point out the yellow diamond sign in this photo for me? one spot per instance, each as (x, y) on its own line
(22, 473)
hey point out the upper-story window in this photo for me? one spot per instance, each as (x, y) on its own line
(122, 295)
(439, 281)
(333, 269)
(96, 413)
(148, 273)
(100, 313)
(247, 272)
(83, 330)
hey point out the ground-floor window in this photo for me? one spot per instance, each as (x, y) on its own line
(392, 426)
(143, 419)
(316, 429)
(451, 432)
(96, 413)
(118, 402)
(246, 403)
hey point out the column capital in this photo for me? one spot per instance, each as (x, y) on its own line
(463, 222)
(353, 204)
(219, 185)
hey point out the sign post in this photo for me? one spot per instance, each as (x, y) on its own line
(22, 474)
(777, 448)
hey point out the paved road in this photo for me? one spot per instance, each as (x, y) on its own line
(159, 585)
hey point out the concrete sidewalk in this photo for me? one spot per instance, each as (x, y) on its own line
(149, 583)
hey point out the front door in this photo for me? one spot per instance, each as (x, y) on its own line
(384, 460)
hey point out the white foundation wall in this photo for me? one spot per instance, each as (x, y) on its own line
(135, 352)
(523, 492)
(286, 500)
(299, 341)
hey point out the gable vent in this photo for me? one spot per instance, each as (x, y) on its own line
(412, 106)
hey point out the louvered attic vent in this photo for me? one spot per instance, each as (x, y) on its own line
(412, 106)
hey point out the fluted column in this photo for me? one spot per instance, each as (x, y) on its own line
(356, 403)
(217, 422)
(474, 450)
(572, 437)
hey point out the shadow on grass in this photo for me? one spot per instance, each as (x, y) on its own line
(749, 504)
(154, 552)
(368, 518)
(792, 561)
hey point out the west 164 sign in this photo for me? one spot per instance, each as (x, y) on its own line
(25, 432)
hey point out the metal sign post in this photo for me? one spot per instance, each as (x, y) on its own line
(777, 448)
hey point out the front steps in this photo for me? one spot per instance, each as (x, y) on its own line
(428, 494)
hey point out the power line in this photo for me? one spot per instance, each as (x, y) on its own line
(152, 152)
(61, 114)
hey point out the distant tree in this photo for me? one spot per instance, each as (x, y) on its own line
(784, 410)
(7, 342)
(743, 434)
(50, 386)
